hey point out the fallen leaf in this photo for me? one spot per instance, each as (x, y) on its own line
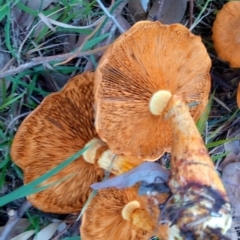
(233, 148)
(238, 95)
(232, 234)
(147, 172)
(47, 232)
(138, 9)
(230, 158)
(19, 228)
(172, 11)
(231, 179)
(24, 236)
(24, 19)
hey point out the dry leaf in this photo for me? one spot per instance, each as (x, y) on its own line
(231, 180)
(172, 11)
(147, 172)
(24, 236)
(238, 95)
(230, 158)
(138, 8)
(22, 224)
(47, 232)
(24, 19)
(233, 146)
(232, 234)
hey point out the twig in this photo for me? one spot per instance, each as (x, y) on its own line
(110, 16)
(191, 6)
(89, 65)
(14, 217)
(41, 60)
(80, 47)
(200, 17)
(160, 6)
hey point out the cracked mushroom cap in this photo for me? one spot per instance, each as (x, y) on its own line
(58, 128)
(121, 214)
(226, 33)
(135, 79)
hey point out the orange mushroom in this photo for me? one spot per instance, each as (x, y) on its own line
(149, 60)
(199, 207)
(59, 127)
(123, 215)
(226, 33)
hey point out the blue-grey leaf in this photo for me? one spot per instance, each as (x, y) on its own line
(147, 172)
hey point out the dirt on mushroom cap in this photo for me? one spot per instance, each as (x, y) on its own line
(147, 58)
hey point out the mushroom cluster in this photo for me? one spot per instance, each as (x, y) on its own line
(143, 100)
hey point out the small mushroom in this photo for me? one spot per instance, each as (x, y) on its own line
(226, 33)
(137, 76)
(200, 207)
(59, 127)
(123, 215)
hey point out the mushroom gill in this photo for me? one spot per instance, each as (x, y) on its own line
(58, 128)
(135, 79)
(124, 215)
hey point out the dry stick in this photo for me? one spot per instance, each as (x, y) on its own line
(14, 217)
(82, 45)
(115, 15)
(191, 6)
(160, 6)
(89, 65)
(85, 40)
(41, 60)
(110, 16)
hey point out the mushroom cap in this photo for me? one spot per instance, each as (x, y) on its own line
(103, 218)
(226, 33)
(147, 58)
(59, 127)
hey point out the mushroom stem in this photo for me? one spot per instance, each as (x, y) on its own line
(90, 154)
(100, 154)
(137, 216)
(159, 101)
(199, 194)
(129, 208)
(117, 164)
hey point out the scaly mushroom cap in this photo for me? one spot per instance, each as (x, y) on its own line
(200, 206)
(148, 59)
(59, 127)
(226, 33)
(120, 214)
